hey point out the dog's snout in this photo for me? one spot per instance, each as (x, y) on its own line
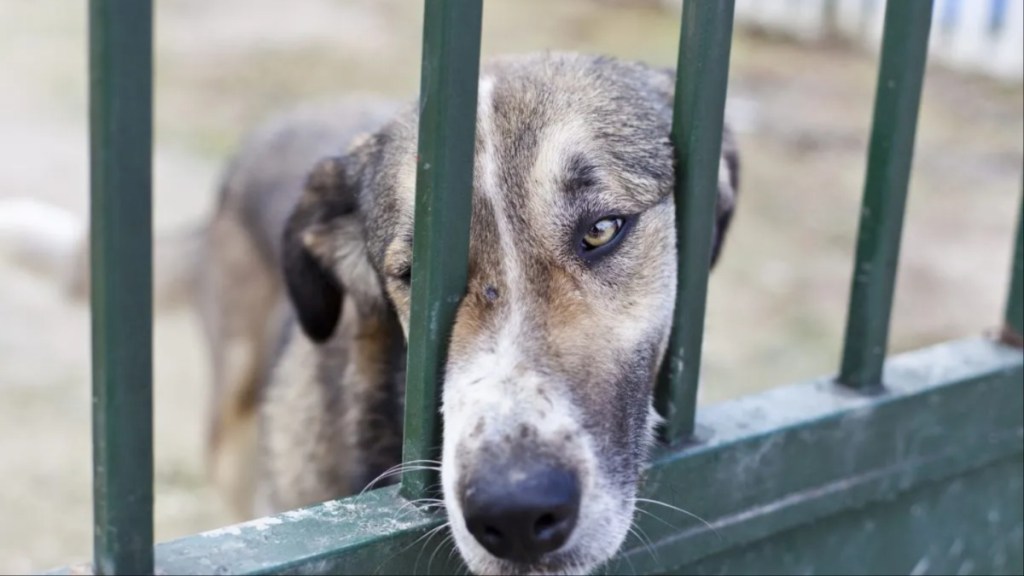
(522, 515)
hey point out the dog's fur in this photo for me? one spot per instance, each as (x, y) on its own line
(554, 351)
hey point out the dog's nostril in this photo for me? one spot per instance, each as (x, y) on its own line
(492, 536)
(543, 523)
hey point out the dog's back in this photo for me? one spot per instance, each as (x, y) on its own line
(240, 293)
(228, 267)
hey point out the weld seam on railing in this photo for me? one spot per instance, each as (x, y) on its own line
(120, 131)
(444, 182)
(890, 153)
(701, 83)
(1013, 328)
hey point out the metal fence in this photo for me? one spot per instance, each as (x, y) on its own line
(881, 470)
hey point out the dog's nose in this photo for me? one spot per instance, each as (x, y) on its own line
(524, 514)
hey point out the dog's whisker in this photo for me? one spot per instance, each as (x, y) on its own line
(425, 501)
(446, 539)
(454, 549)
(401, 465)
(664, 522)
(395, 471)
(429, 534)
(416, 505)
(680, 510)
(658, 518)
(632, 567)
(426, 540)
(645, 541)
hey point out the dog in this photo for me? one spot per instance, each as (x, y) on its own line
(303, 286)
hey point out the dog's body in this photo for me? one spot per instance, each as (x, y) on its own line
(547, 393)
(269, 466)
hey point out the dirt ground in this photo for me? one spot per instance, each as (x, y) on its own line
(777, 302)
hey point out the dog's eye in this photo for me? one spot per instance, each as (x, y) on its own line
(404, 274)
(601, 233)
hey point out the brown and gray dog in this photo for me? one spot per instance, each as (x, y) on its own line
(547, 395)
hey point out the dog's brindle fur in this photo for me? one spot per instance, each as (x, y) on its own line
(554, 351)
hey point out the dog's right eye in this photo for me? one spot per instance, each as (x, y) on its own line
(602, 237)
(602, 232)
(403, 275)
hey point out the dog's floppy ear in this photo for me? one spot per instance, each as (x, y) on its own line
(728, 189)
(313, 286)
(663, 81)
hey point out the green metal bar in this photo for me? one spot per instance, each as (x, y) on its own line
(444, 184)
(1013, 331)
(897, 99)
(120, 130)
(701, 83)
(785, 459)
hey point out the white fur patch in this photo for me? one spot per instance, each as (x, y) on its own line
(557, 142)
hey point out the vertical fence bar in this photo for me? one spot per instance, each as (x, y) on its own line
(701, 82)
(1013, 330)
(897, 98)
(120, 131)
(444, 184)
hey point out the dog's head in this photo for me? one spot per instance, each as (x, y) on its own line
(572, 281)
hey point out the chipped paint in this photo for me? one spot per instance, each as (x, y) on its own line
(258, 525)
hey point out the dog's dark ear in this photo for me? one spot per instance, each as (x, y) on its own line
(663, 81)
(728, 191)
(315, 291)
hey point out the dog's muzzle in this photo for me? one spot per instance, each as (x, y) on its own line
(522, 511)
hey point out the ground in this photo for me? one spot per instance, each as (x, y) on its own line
(777, 301)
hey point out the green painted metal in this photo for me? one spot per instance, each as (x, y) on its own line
(701, 83)
(897, 98)
(775, 467)
(796, 455)
(917, 532)
(1013, 331)
(444, 185)
(120, 109)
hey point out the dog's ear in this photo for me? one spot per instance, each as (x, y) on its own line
(315, 290)
(728, 190)
(662, 81)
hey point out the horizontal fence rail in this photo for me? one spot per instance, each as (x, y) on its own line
(701, 81)
(444, 186)
(120, 109)
(891, 150)
(793, 456)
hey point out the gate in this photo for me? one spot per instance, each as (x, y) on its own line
(908, 464)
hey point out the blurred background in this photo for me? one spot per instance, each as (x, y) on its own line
(801, 89)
